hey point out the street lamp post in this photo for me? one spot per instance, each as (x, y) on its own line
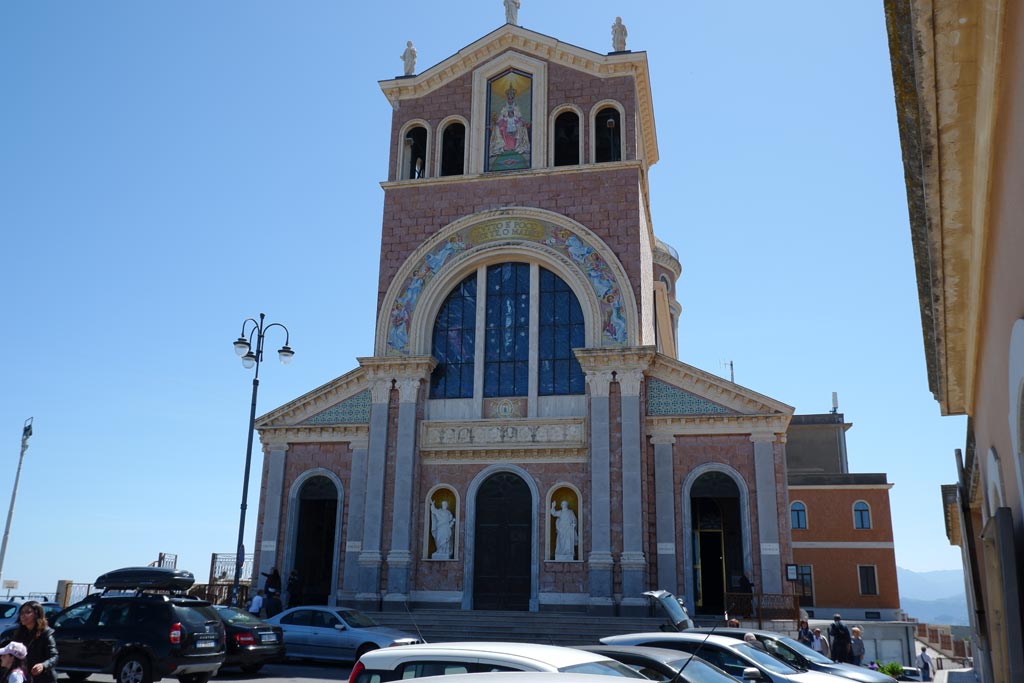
(26, 432)
(243, 347)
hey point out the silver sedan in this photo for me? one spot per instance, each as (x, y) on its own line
(334, 633)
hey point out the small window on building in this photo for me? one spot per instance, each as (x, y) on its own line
(805, 585)
(607, 135)
(414, 154)
(453, 150)
(567, 139)
(873, 615)
(861, 515)
(868, 580)
(798, 514)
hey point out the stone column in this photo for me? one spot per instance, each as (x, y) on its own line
(665, 511)
(370, 551)
(600, 559)
(634, 566)
(273, 505)
(767, 511)
(400, 556)
(356, 508)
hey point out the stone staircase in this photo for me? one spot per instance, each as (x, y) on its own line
(550, 628)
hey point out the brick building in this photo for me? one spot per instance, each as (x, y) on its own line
(841, 525)
(524, 436)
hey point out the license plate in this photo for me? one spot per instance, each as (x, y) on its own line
(206, 643)
(268, 637)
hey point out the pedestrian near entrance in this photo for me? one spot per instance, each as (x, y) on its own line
(12, 663)
(856, 647)
(804, 633)
(37, 637)
(256, 606)
(273, 582)
(839, 636)
(925, 664)
(272, 605)
(819, 643)
(294, 589)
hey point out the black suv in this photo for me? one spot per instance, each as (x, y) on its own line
(141, 628)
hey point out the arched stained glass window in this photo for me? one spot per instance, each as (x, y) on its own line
(454, 342)
(560, 331)
(507, 330)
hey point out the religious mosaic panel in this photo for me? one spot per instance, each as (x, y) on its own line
(509, 113)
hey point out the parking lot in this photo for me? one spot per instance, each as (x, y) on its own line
(289, 672)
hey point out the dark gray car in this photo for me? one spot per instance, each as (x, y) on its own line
(660, 664)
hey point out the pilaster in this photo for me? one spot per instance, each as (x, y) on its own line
(356, 508)
(600, 561)
(633, 563)
(400, 557)
(276, 454)
(664, 511)
(767, 511)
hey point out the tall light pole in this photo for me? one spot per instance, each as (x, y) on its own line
(243, 347)
(26, 432)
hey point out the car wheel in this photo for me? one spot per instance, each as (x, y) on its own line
(251, 668)
(77, 676)
(195, 678)
(134, 669)
(363, 649)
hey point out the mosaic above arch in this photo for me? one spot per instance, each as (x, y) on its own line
(608, 292)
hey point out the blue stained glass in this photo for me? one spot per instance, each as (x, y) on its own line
(469, 345)
(454, 315)
(492, 350)
(467, 376)
(561, 349)
(522, 378)
(452, 342)
(545, 340)
(523, 345)
(561, 331)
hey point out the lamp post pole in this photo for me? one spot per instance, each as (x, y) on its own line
(26, 432)
(243, 347)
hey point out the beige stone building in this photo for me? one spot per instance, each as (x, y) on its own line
(958, 72)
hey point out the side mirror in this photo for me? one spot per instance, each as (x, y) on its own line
(340, 627)
(751, 674)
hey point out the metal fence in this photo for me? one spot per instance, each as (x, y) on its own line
(222, 568)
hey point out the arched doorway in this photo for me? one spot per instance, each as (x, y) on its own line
(717, 540)
(503, 536)
(314, 540)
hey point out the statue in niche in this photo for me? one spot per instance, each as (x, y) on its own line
(409, 58)
(566, 537)
(441, 523)
(619, 35)
(511, 11)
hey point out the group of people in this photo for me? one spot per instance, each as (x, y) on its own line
(267, 602)
(842, 644)
(31, 655)
(846, 645)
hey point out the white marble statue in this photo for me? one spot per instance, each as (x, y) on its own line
(511, 11)
(409, 58)
(566, 537)
(441, 523)
(619, 34)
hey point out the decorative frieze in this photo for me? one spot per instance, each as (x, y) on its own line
(478, 440)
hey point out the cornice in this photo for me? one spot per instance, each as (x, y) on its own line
(510, 37)
(715, 388)
(315, 401)
(397, 367)
(354, 434)
(715, 425)
(620, 359)
(505, 176)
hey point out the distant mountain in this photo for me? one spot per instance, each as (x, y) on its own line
(936, 597)
(930, 585)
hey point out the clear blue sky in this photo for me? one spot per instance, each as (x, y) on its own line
(170, 168)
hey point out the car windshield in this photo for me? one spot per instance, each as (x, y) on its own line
(234, 616)
(802, 649)
(8, 610)
(607, 667)
(356, 619)
(764, 660)
(699, 671)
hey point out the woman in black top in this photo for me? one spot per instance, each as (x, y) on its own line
(37, 636)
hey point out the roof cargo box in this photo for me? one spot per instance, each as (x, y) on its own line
(152, 578)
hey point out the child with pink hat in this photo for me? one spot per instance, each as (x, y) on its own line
(12, 663)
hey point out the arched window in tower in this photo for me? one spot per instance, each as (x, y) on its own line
(798, 515)
(414, 154)
(861, 515)
(607, 135)
(453, 343)
(507, 330)
(567, 139)
(560, 331)
(453, 149)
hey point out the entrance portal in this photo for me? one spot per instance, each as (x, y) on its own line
(314, 542)
(717, 541)
(503, 534)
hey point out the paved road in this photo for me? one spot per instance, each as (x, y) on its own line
(291, 672)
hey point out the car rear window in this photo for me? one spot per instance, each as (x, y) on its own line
(234, 616)
(8, 609)
(195, 616)
(604, 668)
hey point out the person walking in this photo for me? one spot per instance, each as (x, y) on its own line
(12, 663)
(856, 647)
(804, 633)
(37, 637)
(925, 664)
(819, 643)
(257, 604)
(839, 636)
(294, 589)
(273, 582)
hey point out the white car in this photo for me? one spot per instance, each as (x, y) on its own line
(442, 659)
(735, 657)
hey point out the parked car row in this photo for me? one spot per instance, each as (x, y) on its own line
(143, 627)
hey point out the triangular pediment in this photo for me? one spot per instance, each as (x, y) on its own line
(677, 389)
(344, 400)
(539, 46)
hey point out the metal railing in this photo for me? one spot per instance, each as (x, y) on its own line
(222, 568)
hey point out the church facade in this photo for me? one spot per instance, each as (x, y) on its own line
(523, 436)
